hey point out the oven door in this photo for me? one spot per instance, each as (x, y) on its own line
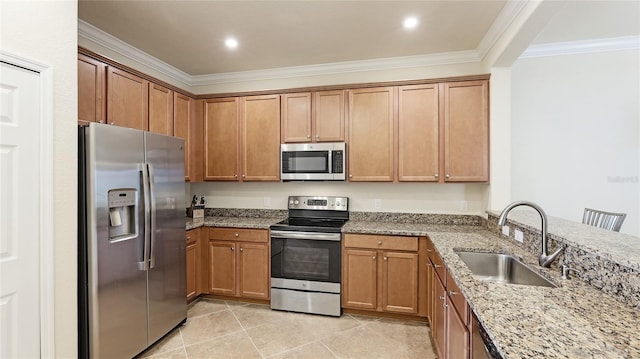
(306, 256)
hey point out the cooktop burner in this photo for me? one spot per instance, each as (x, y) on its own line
(315, 214)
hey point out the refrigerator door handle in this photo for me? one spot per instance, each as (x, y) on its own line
(152, 196)
(144, 265)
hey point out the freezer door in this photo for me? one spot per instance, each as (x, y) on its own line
(116, 280)
(167, 272)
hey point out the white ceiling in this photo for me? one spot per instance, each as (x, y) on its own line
(189, 35)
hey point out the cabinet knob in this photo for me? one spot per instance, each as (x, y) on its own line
(452, 292)
(235, 175)
(112, 123)
(317, 137)
(436, 175)
(237, 234)
(350, 176)
(436, 266)
(308, 136)
(374, 257)
(441, 297)
(101, 121)
(429, 250)
(231, 248)
(385, 258)
(379, 242)
(188, 238)
(446, 176)
(241, 249)
(444, 305)
(243, 176)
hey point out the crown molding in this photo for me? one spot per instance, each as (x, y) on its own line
(403, 62)
(93, 34)
(582, 47)
(508, 13)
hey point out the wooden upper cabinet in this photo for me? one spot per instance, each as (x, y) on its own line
(91, 90)
(466, 131)
(371, 134)
(127, 100)
(418, 133)
(161, 110)
(313, 117)
(221, 139)
(329, 113)
(182, 113)
(261, 138)
(296, 117)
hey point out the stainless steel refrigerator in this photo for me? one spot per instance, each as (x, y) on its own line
(131, 239)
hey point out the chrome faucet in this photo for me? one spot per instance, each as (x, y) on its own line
(545, 259)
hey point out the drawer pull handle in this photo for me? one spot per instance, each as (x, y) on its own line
(437, 266)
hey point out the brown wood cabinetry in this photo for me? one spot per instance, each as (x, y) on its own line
(182, 114)
(196, 256)
(127, 100)
(239, 262)
(466, 131)
(371, 134)
(242, 139)
(418, 133)
(91, 90)
(313, 117)
(381, 273)
(160, 110)
(450, 324)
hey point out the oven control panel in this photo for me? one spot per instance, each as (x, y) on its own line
(319, 203)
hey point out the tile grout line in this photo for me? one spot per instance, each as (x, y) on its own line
(245, 331)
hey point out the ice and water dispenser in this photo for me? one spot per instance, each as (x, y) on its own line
(123, 214)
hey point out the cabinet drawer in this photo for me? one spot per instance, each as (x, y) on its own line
(438, 265)
(192, 236)
(381, 242)
(457, 299)
(239, 234)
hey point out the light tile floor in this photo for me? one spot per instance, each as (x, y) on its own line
(226, 329)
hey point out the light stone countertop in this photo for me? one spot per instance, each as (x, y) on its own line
(620, 248)
(574, 320)
(232, 222)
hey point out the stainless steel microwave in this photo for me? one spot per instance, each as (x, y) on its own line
(313, 161)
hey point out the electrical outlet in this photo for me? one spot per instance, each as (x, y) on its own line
(266, 201)
(377, 203)
(505, 230)
(464, 205)
(519, 236)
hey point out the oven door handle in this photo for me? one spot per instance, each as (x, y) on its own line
(315, 236)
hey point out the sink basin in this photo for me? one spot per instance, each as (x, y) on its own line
(503, 268)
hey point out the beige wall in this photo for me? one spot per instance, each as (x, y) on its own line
(46, 32)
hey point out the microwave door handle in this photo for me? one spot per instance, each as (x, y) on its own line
(330, 164)
(153, 210)
(144, 265)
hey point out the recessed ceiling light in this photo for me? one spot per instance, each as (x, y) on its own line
(410, 22)
(231, 43)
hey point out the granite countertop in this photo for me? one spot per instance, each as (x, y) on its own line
(574, 320)
(233, 222)
(618, 247)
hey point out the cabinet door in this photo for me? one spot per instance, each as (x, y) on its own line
(296, 117)
(222, 265)
(127, 100)
(221, 139)
(192, 266)
(371, 145)
(439, 317)
(466, 131)
(458, 335)
(400, 282)
(328, 119)
(91, 90)
(182, 109)
(418, 156)
(161, 110)
(254, 270)
(261, 138)
(359, 279)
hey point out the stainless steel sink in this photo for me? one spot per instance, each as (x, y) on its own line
(503, 268)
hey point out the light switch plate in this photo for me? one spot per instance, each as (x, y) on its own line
(519, 236)
(505, 230)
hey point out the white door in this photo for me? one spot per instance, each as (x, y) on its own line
(19, 213)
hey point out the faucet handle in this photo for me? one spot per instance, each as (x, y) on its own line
(546, 260)
(566, 270)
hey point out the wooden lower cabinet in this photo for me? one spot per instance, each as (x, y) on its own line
(239, 268)
(195, 259)
(381, 274)
(450, 322)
